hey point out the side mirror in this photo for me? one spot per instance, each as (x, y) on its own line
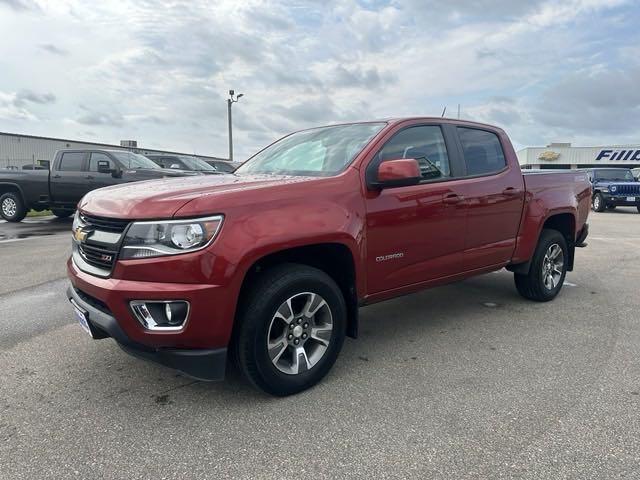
(398, 173)
(103, 166)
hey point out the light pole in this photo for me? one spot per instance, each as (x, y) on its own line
(231, 101)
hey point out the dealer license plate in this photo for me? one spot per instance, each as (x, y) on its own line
(631, 199)
(82, 319)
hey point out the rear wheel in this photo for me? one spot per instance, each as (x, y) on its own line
(291, 330)
(60, 213)
(598, 203)
(548, 268)
(12, 207)
(638, 207)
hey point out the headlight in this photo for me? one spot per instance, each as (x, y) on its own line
(613, 188)
(169, 237)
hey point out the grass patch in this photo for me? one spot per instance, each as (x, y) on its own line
(43, 213)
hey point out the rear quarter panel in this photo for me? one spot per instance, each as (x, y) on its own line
(549, 194)
(31, 183)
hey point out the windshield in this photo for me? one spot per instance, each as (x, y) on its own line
(320, 152)
(223, 167)
(134, 160)
(614, 174)
(196, 164)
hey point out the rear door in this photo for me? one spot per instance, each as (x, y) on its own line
(69, 180)
(416, 233)
(494, 190)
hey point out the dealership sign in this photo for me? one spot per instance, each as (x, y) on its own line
(624, 155)
(549, 156)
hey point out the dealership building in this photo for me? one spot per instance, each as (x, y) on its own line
(565, 156)
(18, 151)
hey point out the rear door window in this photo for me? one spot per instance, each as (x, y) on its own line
(482, 151)
(71, 162)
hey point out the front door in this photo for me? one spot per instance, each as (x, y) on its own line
(416, 233)
(99, 179)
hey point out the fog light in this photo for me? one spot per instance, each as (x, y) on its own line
(163, 315)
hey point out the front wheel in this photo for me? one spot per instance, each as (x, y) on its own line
(291, 330)
(598, 203)
(548, 268)
(60, 213)
(12, 207)
(638, 207)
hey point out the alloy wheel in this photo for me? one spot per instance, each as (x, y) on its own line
(552, 266)
(9, 207)
(299, 333)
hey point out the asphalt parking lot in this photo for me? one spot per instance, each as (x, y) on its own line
(464, 381)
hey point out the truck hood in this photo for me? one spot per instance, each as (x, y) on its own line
(150, 173)
(163, 198)
(606, 183)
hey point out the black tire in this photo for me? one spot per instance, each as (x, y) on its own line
(12, 208)
(532, 285)
(61, 213)
(269, 292)
(597, 203)
(638, 207)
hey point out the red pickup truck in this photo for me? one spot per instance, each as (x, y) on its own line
(269, 265)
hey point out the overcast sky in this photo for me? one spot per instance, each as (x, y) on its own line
(158, 71)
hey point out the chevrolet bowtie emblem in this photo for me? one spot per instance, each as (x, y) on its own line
(80, 235)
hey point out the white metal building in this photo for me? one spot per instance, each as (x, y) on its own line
(564, 156)
(18, 150)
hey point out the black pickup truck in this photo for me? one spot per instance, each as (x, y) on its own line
(73, 173)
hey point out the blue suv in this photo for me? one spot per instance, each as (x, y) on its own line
(613, 187)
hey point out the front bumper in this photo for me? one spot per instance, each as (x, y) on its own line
(621, 200)
(199, 349)
(202, 364)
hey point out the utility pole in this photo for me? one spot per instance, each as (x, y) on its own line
(231, 100)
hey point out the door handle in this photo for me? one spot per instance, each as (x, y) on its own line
(510, 191)
(56, 176)
(90, 177)
(453, 199)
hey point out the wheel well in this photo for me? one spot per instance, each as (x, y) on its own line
(335, 259)
(6, 188)
(565, 223)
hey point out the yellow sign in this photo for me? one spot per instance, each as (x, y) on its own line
(549, 156)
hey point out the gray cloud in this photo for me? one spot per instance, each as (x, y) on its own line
(356, 77)
(463, 9)
(20, 5)
(53, 49)
(27, 96)
(102, 117)
(607, 101)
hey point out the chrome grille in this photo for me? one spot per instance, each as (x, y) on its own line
(97, 256)
(115, 225)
